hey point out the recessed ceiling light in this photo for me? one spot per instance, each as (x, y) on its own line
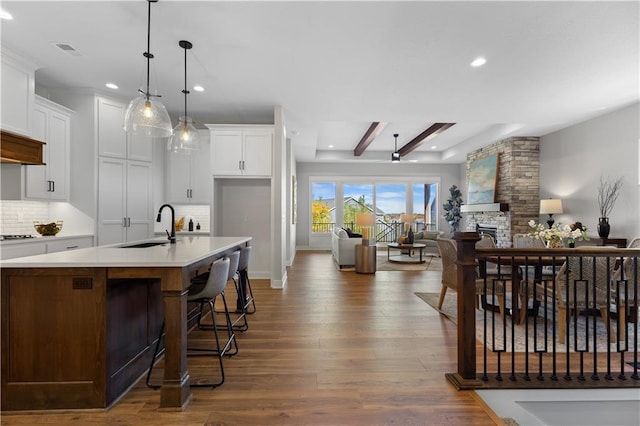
(111, 85)
(478, 62)
(433, 147)
(198, 88)
(5, 15)
(330, 146)
(413, 161)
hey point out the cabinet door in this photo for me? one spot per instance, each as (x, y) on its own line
(139, 201)
(17, 95)
(69, 244)
(112, 190)
(226, 152)
(201, 177)
(58, 155)
(141, 147)
(112, 139)
(257, 153)
(36, 185)
(20, 250)
(178, 177)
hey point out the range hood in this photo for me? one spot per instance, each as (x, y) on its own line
(19, 149)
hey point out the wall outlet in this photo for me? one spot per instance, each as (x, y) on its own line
(20, 217)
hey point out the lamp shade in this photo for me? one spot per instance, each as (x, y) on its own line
(185, 137)
(551, 206)
(148, 117)
(365, 219)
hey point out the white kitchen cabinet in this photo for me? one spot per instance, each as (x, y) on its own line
(124, 200)
(113, 141)
(69, 244)
(188, 177)
(11, 251)
(241, 150)
(17, 93)
(51, 124)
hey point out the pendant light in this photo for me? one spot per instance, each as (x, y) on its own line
(185, 137)
(146, 115)
(395, 155)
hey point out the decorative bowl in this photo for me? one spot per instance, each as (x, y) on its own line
(48, 229)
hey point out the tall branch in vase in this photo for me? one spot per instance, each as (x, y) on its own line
(452, 208)
(608, 191)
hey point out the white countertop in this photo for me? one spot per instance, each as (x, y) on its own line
(187, 250)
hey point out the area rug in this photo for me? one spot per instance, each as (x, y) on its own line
(543, 332)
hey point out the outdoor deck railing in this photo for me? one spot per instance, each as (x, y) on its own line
(515, 339)
(384, 232)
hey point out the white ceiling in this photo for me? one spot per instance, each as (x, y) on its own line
(337, 66)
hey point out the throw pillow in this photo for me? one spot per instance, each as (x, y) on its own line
(418, 236)
(352, 234)
(431, 235)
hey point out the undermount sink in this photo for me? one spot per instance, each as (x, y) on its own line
(144, 245)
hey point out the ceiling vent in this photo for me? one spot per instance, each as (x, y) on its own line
(67, 48)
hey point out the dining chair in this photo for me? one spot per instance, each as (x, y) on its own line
(449, 254)
(581, 284)
(626, 284)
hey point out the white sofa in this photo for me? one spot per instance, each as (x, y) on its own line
(343, 247)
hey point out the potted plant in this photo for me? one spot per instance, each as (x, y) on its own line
(452, 208)
(608, 191)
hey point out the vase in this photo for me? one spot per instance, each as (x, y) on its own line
(555, 243)
(603, 227)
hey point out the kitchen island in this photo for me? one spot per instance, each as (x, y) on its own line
(78, 327)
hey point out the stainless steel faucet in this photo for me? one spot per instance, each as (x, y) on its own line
(172, 235)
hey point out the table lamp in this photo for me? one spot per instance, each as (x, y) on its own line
(364, 221)
(550, 207)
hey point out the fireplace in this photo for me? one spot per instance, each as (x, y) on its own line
(487, 229)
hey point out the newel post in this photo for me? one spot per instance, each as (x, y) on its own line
(465, 377)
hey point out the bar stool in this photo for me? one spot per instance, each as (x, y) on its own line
(244, 282)
(215, 284)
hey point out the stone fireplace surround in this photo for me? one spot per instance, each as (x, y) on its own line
(517, 188)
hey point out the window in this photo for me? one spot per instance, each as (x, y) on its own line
(323, 200)
(387, 200)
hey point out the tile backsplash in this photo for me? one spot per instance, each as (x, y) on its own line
(199, 214)
(17, 217)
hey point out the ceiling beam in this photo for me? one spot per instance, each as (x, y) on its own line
(430, 133)
(372, 133)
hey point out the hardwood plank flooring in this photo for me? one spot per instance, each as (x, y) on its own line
(332, 348)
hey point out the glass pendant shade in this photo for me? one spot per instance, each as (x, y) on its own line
(185, 136)
(147, 117)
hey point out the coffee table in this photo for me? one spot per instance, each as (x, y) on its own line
(409, 249)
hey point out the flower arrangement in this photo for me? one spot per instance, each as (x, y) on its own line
(553, 236)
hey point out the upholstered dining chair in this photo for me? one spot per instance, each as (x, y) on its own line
(626, 284)
(582, 283)
(449, 254)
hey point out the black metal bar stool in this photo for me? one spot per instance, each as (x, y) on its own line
(245, 294)
(203, 292)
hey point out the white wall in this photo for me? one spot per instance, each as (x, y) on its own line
(572, 161)
(447, 174)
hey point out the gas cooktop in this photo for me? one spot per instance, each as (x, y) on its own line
(16, 237)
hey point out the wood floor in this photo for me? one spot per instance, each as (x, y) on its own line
(333, 348)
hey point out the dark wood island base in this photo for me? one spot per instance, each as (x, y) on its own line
(80, 337)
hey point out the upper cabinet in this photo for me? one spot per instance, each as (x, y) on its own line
(17, 93)
(113, 141)
(188, 177)
(51, 124)
(241, 150)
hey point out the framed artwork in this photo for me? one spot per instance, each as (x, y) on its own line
(294, 199)
(482, 180)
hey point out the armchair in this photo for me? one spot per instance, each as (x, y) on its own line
(449, 253)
